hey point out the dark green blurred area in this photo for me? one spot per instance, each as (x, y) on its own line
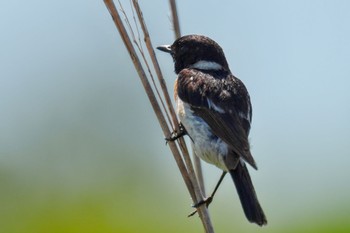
(74, 176)
(109, 191)
(119, 195)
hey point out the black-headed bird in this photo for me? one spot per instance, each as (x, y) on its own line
(215, 111)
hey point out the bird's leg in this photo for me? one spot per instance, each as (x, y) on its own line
(209, 199)
(176, 135)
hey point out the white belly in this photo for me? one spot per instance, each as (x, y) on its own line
(206, 145)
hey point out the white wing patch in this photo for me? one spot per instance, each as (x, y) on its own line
(215, 107)
(244, 116)
(249, 117)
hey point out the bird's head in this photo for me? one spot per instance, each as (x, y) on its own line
(196, 51)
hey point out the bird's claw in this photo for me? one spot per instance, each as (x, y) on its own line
(176, 135)
(206, 201)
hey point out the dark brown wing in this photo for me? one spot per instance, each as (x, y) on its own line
(223, 102)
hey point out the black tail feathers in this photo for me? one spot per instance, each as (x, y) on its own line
(246, 193)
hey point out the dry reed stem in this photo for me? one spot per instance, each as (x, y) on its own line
(186, 157)
(138, 45)
(175, 16)
(155, 63)
(188, 175)
(177, 32)
(199, 172)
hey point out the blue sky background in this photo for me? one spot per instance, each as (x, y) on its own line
(75, 120)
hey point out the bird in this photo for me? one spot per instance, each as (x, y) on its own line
(215, 111)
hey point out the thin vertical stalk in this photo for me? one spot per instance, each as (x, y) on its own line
(187, 174)
(196, 160)
(176, 22)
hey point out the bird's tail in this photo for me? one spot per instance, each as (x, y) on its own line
(246, 193)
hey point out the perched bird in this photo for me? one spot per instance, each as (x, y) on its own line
(215, 111)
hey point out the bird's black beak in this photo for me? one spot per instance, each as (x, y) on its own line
(165, 48)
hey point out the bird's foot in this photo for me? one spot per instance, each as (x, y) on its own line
(209, 199)
(205, 201)
(176, 135)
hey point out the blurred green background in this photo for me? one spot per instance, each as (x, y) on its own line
(81, 150)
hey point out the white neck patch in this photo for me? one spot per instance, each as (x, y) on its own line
(206, 65)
